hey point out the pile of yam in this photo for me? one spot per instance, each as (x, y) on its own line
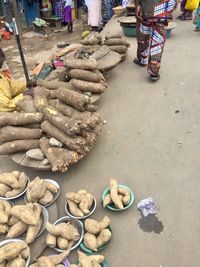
(119, 196)
(94, 38)
(85, 77)
(62, 235)
(97, 233)
(89, 260)
(117, 44)
(14, 254)
(56, 126)
(41, 191)
(20, 219)
(12, 184)
(79, 203)
(51, 261)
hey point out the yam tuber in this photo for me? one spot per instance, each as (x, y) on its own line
(4, 189)
(84, 260)
(73, 207)
(94, 227)
(113, 36)
(107, 200)
(104, 237)
(51, 187)
(90, 241)
(6, 207)
(17, 229)
(22, 183)
(3, 217)
(116, 41)
(26, 104)
(17, 262)
(25, 253)
(18, 146)
(85, 75)
(3, 229)
(54, 84)
(11, 250)
(51, 241)
(34, 229)
(13, 220)
(36, 190)
(16, 119)
(40, 98)
(62, 243)
(9, 179)
(47, 198)
(114, 194)
(121, 49)
(25, 213)
(126, 195)
(81, 64)
(45, 262)
(88, 86)
(10, 133)
(56, 259)
(97, 258)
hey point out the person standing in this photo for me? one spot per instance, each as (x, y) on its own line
(94, 14)
(68, 14)
(186, 14)
(152, 18)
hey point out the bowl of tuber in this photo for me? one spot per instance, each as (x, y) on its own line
(65, 231)
(90, 259)
(42, 191)
(14, 252)
(13, 185)
(117, 197)
(80, 205)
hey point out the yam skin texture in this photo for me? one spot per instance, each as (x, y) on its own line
(62, 243)
(4, 189)
(59, 158)
(71, 98)
(25, 213)
(16, 119)
(34, 229)
(65, 230)
(25, 253)
(93, 41)
(56, 259)
(73, 207)
(3, 229)
(74, 144)
(113, 36)
(26, 104)
(82, 64)
(51, 241)
(36, 190)
(88, 86)
(54, 84)
(120, 49)
(45, 262)
(35, 264)
(104, 237)
(11, 133)
(18, 146)
(97, 258)
(9, 179)
(90, 241)
(11, 250)
(3, 216)
(6, 207)
(41, 98)
(116, 41)
(68, 125)
(85, 75)
(126, 195)
(51, 187)
(114, 194)
(47, 198)
(94, 227)
(22, 182)
(86, 203)
(13, 220)
(17, 229)
(3, 264)
(17, 262)
(107, 200)
(84, 260)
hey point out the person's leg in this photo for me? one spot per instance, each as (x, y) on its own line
(143, 37)
(157, 42)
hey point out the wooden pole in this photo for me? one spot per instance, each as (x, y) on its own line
(15, 14)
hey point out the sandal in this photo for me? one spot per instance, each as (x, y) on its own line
(137, 62)
(154, 78)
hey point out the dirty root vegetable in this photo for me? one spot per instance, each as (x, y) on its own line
(36, 190)
(3, 217)
(17, 262)
(22, 180)
(56, 259)
(51, 241)
(73, 207)
(88, 86)
(62, 243)
(82, 64)
(97, 258)
(113, 36)
(47, 198)
(9, 179)
(18, 146)
(104, 237)
(13, 220)
(10, 133)
(15, 119)
(40, 98)
(114, 194)
(107, 200)
(45, 262)
(116, 41)
(17, 229)
(51, 187)
(25, 253)
(94, 227)
(3, 229)
(84, 260)
(121, 49)
(34, 229)
(90, 241)
(65, 230)
(54, 84)
(4, 189)
(85, 75)
(26, 104)
(126, 195)
(11, 250)
(25, 213)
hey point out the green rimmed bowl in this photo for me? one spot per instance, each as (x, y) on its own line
(89, 251)
(112, 206)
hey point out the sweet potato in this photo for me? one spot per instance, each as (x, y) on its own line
(81, 64)
(73, 207)
(3, 229)
(56, 259)
(36, 190)
(84, 260)
(88, 86)
(121, 49)
(85, 75)
(65, 230)
(107, 200)
(16, 119)
(10, 133)
(104, 237)
(126, 195)
(90, 241)
(34, 229)
(11, 250)
(114, 194)
(10, 180)
(94, 227)
(4, 189)
(18, 146)
(45, 262)
(47, 198)
(51, 187)
(17, 229)
(25, 213)
(51, 241)
(22, 183)
(62, 243)
(17, 262)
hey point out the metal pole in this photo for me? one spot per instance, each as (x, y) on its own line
(20, 47)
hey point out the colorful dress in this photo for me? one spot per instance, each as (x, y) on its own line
(68, 11)
(197, 19)
(151, 32)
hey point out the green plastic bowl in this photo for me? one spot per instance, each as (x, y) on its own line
(129, 31)
(111, 206)
(89, 251)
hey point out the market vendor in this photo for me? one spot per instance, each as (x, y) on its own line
(11, 91)
(152, 17)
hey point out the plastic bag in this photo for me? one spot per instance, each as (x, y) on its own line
(192, 4)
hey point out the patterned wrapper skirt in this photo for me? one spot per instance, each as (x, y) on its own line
(68, 14)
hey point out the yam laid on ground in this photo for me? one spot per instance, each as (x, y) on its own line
(112, 42)
(54, 84)
(26, 104)
(18, 146)
(121, 49)
(88, 86)
(85, 75)
(16, 119)
(113, 36)
(90, 64)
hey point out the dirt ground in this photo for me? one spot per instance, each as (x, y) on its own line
(37, 47)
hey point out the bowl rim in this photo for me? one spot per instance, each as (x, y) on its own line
(68, 218)
(107, 189)
(21, 194)
(55, 195)
(94, 204)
